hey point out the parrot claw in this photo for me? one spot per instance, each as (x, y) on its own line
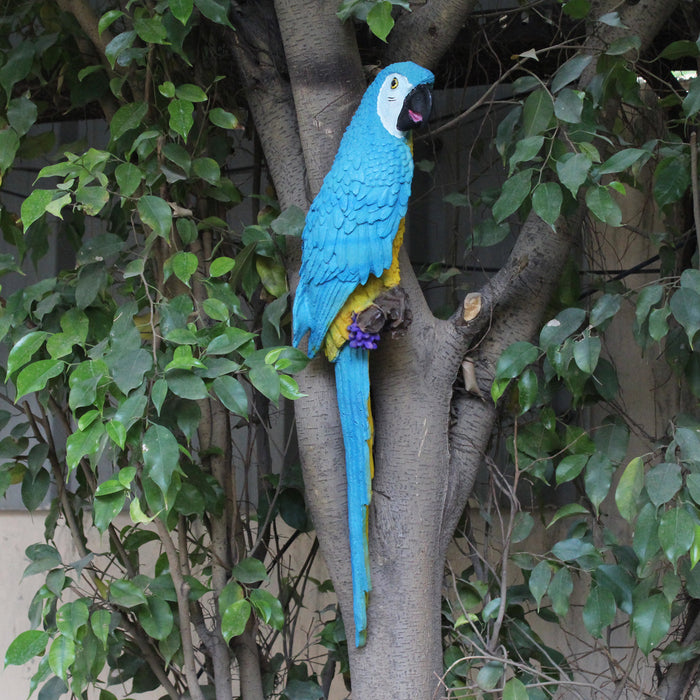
(389, 312)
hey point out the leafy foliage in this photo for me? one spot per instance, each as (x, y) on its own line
(559, 150)
(140, 380)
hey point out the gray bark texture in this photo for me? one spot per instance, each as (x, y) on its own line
(430, 439)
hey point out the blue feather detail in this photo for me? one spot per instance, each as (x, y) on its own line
(352, 386)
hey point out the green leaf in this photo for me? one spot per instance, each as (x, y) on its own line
(187, 230)
(128, 178)
(191, 93)
(573, 171)
(25, 647)
(528, 389)
(22, 114)
(181, 9)
(214, 10)
(207, 169)
(671, 179)
(663, 482)
(645, 540)
(223, 119)
(266, 380)
(268, 607)
(489, 675)
(234, 619)
(151, 29)
(232, 394)
(629, 488)
(43, 557)
(537, 112)
(160, 456)
(622, 45)
(187, 385)
(72, 617)
(487, 233)
(676, 533)
(567, 511)
(216, 309)
(546, 201)
(126, 594)
(599, 610)
(685, 306)
(181, 119)
(184, 265)
(623, 160)
(380, 20)
(570, 71)
(34, 206)
(525, 149)
(619, 582)
(612, 438)
(539, 581)
(62, 656)
(598, 477)
(156, 214)
(570, 467)
(560, 589)
(568, 106)
(106, 508)
(556, 331)
(17, 66)
(126, 118)
(515, 689)
(575, 549)
(23, 350)
(605, 308)
(586, 352)
(651, 621)
(9, 145)
(514, 359)
(303, 690)
(35, 376)
(158, 393)
(156, 618)
(513, 193)
(34, 489)
(603, 206)
(680, 49)
(249, 570)
(117, 433)
(221, 266)
(107, 19)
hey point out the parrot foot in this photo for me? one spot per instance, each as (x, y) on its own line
(389, 312)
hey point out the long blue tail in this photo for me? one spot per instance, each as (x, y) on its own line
(352, 385)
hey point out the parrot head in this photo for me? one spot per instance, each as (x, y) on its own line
(403, 99)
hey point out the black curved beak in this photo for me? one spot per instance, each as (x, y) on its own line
(416, 108)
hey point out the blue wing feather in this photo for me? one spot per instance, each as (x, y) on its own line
(350, 229)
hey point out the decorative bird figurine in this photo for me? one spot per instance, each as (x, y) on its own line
(351, 242)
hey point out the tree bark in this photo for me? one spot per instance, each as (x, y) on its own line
(424, 34)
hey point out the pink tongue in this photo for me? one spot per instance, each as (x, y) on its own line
(415, 117)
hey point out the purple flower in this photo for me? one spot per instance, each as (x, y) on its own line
(359, 339)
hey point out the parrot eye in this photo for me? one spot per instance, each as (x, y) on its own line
(394, 83)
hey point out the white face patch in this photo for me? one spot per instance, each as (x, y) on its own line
(390, 101)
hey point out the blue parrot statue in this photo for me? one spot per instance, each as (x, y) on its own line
(350, 247)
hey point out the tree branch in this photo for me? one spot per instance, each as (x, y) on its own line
(326, 77)
(257, 49)
(424, 34)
